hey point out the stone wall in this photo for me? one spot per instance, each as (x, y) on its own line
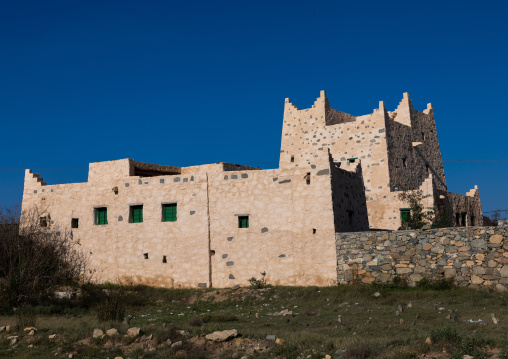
(472, 256)
(349, 204)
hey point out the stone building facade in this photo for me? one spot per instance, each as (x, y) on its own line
(220, 224)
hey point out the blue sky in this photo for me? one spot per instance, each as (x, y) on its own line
(192, 82)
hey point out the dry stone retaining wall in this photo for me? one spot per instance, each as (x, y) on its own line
(474, 257)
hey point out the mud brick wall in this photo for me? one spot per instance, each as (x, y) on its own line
(474, 257)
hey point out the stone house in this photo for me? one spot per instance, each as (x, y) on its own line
(220, 224)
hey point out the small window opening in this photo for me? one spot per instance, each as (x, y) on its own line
(350, 218)
(404, 164)
(307, 178)
(145, 255)
(464, 217)
(43, 222)
(427, 167)
(101, 215)
(405, 214)
(457, 219)
(423, 136)
(292, 158)
(136, 214)
(313, 230)
(243, 221)
(75, 223)
(164, 259)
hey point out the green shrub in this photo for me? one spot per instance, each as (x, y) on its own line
(26, 317)
(259, 283)
(111, 309)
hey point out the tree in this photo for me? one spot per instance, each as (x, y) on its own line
(418, 216)
(33, 259)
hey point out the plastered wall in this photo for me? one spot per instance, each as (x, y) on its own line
(291, 234)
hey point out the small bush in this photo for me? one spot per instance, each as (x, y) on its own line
(196, 322)
(440, 284)
(445, 335)
(111, 309)
(219, 318)
(360, 351)
(259, 283)
(26, 317)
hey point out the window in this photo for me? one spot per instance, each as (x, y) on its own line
(43, 222)
(169, 212)
(350, 218)
(307, 178)
(404, 164)
(136, 215)
(101, 215)
(352, 160)
(427, 168)
(243, 221)
(75, 223)
(457, 219)
(292, 158)
(423, 136)
(464, 215)
(405, 214)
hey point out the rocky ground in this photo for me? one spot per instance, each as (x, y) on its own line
(334, 322)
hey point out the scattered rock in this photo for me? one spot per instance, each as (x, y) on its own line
(29, 329)
(31, 332)
(377, 294)
(176, 344)
(222, 336)
(494, 319)
(279, 341)
(2, 329)
(410, 305)
(328, 356)
(401, 321)
(111, 332)
(52, 336)
(400, 309)
(97, 333)
(133, 332)
(235, 287)
(30, 346)
(11, 328)
(183, 332)
(13, 339)
(271, 337)
(284, 313)
(169, 342)
(428, 341)
(340, 351)
(467, 357)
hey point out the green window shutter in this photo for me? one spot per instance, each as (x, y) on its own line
(404, 214)
(137, 214)
(102, 215)
(243, 222)
(169, 212)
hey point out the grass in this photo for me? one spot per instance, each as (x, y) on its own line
(325, 320)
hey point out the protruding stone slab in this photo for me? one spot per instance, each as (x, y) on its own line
(222, 336)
